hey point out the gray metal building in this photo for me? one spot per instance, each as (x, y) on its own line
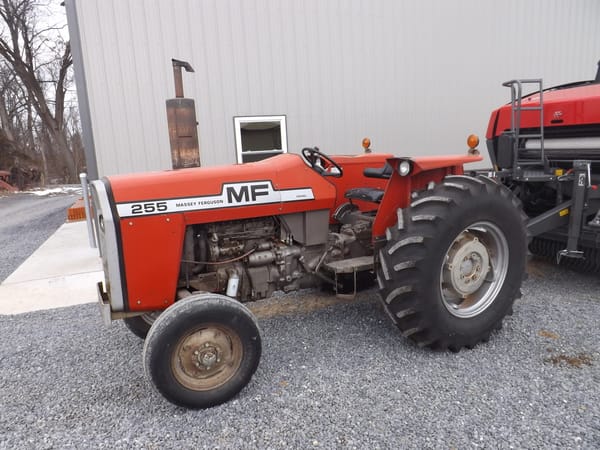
(416, 76)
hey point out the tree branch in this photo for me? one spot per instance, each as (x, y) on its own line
(61, 90)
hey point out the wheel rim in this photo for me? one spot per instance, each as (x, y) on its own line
(207, 357)
(474, 269)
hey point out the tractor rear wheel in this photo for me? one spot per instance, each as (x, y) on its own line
(202, 350)
(454, 263)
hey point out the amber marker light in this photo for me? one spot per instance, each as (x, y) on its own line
(366, 143)
(473, 141)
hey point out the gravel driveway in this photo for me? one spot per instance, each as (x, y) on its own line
(335, 377)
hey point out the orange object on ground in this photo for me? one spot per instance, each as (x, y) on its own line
(76, 212)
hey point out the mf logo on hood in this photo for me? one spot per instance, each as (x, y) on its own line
(246, 193)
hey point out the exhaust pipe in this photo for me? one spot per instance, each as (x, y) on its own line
(181, 119)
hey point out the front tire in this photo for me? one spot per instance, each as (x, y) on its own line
(202, 351)
(454, 263)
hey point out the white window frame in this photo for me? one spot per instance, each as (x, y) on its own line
(237, 123)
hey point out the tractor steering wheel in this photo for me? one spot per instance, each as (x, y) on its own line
(321, 163)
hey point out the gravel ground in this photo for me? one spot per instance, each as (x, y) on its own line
(26, 221)
(337, 377)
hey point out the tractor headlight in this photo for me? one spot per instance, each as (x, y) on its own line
(404, 168)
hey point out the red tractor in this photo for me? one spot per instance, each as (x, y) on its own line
(184, 250)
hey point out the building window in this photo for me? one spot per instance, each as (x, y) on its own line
(259, 137)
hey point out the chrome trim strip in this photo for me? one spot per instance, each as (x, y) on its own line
(107, 243)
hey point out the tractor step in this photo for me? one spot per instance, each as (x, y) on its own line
(352, 265)
(349, 274)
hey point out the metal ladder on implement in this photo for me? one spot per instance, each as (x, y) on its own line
(538, 169)
(526, 170)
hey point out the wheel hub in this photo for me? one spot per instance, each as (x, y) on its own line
(207, 357)
(474, 270)
(468, 263)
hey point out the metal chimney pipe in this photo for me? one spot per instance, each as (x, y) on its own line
(178, 78)
(181, 119)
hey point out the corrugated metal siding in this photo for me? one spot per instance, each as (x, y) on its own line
(416, 76)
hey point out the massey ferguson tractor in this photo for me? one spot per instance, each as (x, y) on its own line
(183, 250)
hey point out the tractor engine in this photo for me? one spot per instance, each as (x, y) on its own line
(250, 259)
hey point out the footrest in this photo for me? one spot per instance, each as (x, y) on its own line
(359, 264)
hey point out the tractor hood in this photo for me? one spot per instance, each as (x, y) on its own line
(203, 180)
(283, 178)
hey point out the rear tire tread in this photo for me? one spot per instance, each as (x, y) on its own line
(404, 291)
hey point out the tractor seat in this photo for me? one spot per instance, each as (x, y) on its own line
(373, 195)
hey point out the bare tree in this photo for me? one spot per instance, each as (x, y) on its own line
(40, 57)
(17, 141)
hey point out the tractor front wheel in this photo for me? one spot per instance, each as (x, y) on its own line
(202, 350)
(454, 263)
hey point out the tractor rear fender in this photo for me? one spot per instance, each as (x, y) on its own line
(423, 171)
